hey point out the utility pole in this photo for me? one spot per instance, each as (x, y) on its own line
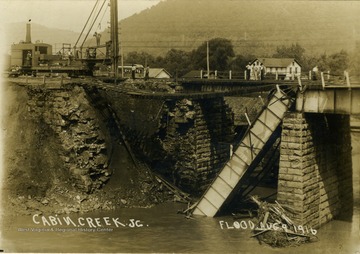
(122, 61)
(207, 59)
(121, 53)
(114, 36)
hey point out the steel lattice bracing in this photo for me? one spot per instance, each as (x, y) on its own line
(258, 138)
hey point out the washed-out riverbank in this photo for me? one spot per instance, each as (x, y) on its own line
(97, 226)
(43, 157)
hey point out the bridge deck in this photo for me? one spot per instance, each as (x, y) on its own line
(316, 96)
(332, 100)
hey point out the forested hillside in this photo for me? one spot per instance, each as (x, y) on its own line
(324, 31)
(252, 26)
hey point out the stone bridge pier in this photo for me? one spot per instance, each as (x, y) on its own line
(315, 174)
(315, 170)
(185, 139)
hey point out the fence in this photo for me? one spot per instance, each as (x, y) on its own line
(244, 75)
(331, 80)
(324, 77)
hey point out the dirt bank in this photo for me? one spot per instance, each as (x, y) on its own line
(36, 179)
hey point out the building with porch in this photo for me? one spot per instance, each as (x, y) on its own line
(283, 68)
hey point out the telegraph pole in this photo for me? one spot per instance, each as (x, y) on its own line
(207, 59)
(114, 36)
(122, 61)
(121, 52)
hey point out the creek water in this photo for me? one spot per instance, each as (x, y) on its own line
(160, 229)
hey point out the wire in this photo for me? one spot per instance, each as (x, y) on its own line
(93, 23)
(99, 27)
(86, 23)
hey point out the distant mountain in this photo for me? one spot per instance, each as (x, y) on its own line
(251, 25)
(255, 27)
(16, 32)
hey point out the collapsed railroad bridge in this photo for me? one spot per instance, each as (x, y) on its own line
(218, 140)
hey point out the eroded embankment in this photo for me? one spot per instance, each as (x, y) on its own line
(186, 140)
(60, 152)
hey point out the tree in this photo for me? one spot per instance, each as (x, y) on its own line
(240, 61)
(338, 62)
(293, 51)
(354, 63)
(143, 58)
(220, 51)
(309, 63)
(322, 62)
(177, 62)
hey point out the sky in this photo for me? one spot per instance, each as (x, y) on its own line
(65, 14)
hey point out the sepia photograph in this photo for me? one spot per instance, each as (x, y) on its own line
(180, 126)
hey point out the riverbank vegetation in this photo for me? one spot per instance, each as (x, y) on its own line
(222, 57)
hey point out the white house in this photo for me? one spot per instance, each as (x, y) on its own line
(158, 73)
(285, 68)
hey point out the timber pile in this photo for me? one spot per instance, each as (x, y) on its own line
(277, 229)
(179, 195)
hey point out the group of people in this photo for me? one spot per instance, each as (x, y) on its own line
(255, 71)
(67, 55)
(133, 71)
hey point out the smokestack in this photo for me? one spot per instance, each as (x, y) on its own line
(28, 32)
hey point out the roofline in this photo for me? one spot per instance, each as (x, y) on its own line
(294, 59)
(161, 69)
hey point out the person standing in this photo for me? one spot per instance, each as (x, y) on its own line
(315, 73)
(256, 71)
(262, 71)
(147, 69)
(133, 70)
(69, 57)
(248, 71)
(28, 58)
(97, 37)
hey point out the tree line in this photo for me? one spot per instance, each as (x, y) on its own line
(222, 57)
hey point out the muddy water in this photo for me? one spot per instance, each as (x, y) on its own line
(161, 229)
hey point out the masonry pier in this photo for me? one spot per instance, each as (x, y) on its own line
(184, 139)
(188, 137)
(315, 174)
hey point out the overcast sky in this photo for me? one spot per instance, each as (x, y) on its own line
(65, 14)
